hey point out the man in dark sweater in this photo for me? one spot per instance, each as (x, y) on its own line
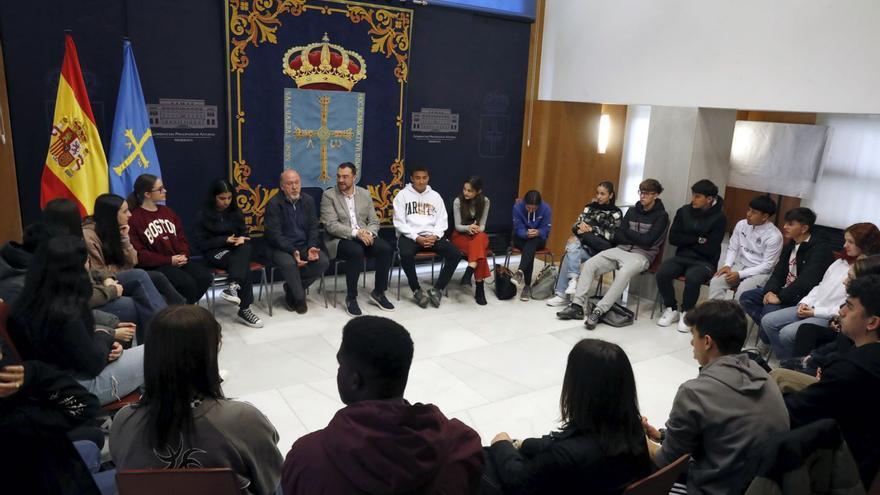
(847, 389)
(697, 231)
(380, 443)
(801, 265)
(292, 232)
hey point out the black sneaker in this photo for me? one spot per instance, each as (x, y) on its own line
(480, 294)
(380, 300)
(572, 312)
(352, 308)
(593, 320)
(434, 295)
(289, 302)
(230, 294)
(248, 317)
(421, 298)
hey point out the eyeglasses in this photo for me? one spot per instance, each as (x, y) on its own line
(159, 189)
(645, 193)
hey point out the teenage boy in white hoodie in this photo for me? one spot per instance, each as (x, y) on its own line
(420, 220)
(752, 252)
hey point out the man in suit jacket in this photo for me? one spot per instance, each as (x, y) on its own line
(351, 231)
(292, 232)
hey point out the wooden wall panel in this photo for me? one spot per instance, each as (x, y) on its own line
(10, 210)
(560, 154)
(736, 200)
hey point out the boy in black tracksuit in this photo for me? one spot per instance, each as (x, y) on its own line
(697, 231)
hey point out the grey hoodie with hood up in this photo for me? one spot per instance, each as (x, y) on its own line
(719, 417)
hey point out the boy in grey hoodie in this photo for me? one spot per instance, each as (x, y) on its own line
(723, 414)
(421, 221)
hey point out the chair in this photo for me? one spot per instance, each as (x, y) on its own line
(215, 481)
(545, 253)
(660, 482)
(221, 278)
(270, 289)
(420, 256)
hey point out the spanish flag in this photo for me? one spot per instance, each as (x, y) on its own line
(76, 167)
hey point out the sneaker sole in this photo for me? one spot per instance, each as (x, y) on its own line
(383, 308)
(228, 298)
(556, 305)
(249, 324)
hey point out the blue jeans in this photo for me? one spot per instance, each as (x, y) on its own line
(781, 327)
(138, 285)
(117, 379)
(752, 302)
(91, 456)
(575, 254)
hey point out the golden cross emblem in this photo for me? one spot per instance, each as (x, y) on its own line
(136, 153)
(324, 133)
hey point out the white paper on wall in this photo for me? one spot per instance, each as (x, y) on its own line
(776, 158)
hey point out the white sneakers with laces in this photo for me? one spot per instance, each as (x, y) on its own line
(668, 317)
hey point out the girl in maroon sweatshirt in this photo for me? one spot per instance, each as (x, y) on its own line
(157, 236)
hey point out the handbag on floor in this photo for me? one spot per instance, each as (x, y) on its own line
(504, 287)
(545, 285)
(616, 316)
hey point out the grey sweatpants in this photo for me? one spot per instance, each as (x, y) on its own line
(718, 286)
(626, 263)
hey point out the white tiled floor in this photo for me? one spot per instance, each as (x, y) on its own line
(496, 368)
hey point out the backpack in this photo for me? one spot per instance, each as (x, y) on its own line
(504, 287)
(616, 316)
(545, 284)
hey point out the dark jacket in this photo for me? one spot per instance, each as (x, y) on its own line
(14, 261)
(604, 220)
(213, 228)
(292, 225)
(690, 225)
(72, 347)
(38, 457)
(847, 393)
(643, 231)
(813, 258)
(565, 462)
(800, 461)
(384, 448)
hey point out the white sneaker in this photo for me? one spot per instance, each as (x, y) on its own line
(668, 317)
(682, 326)
(572, 286)
(557, 301)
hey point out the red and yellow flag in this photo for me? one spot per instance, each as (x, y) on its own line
(76, 167)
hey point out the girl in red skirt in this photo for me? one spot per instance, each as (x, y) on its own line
(470, 210)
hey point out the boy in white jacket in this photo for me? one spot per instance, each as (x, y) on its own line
(752, 252)
(420, 220)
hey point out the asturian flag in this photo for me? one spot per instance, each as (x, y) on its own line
(132, 151)
(76, 167)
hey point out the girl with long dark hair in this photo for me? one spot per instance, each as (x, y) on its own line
(158, 237)
(183, 419)
(222, 236)
(593, 232)
(471, 209)
(601, 448)
(132, 299)
(107, 238)
(51, 322)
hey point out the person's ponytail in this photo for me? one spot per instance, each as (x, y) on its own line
(142, 185)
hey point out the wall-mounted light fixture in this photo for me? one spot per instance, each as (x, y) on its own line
(604, 132)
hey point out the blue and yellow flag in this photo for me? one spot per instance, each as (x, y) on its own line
(132, 151)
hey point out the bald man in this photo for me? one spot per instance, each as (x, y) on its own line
(292, 233)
